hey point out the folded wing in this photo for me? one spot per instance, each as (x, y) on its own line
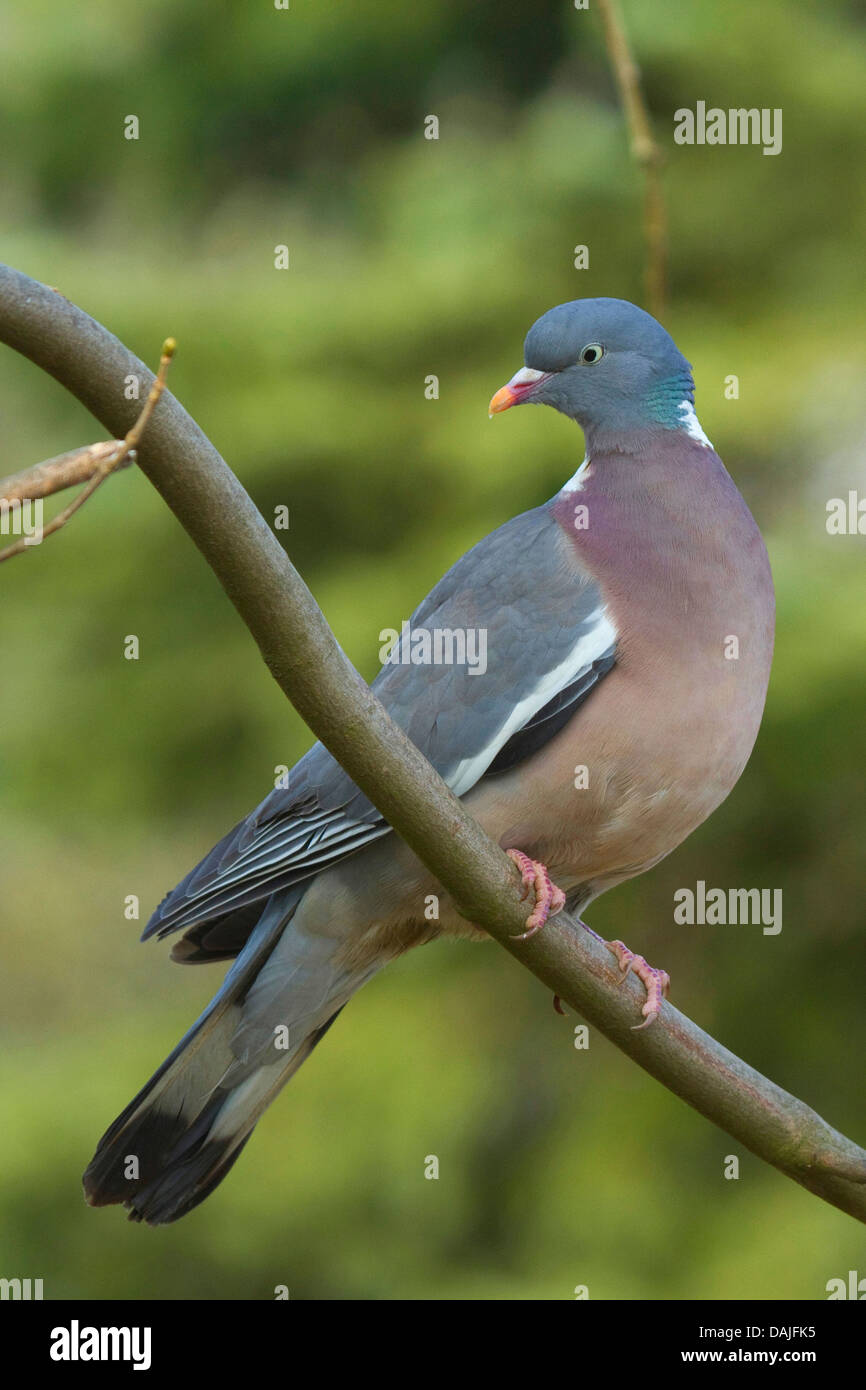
(536, 640)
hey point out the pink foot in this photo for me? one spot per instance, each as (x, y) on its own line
(657, 982)
(548, 898)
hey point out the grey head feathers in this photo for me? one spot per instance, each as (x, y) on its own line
(608, 365)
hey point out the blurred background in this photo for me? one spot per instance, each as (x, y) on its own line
(411, 257)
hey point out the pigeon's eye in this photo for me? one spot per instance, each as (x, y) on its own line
(593, 352)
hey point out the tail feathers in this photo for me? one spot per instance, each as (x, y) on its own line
(202, 1154)
(217, 939)
(165, 1127)
(181, 1134)
(183, 1188)
(178, 1141)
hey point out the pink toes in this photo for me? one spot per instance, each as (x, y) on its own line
(548, 898)
(657, 982)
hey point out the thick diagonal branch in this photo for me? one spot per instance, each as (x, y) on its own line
(317, 677)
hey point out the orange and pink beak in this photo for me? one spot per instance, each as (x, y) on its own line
(516, 390)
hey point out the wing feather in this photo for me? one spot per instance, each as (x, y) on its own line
(547, 643)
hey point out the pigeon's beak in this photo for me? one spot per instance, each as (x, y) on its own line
(516, 390)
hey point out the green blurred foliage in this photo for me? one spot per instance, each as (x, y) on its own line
(408, 257)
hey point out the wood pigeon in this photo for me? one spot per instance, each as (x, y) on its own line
(628, 633)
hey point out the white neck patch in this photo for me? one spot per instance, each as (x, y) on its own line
(575, 483)
(692, 425)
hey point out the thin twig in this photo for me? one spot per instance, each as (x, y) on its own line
(94, 463)
(645, 151)
(316, 675)
(57, 474)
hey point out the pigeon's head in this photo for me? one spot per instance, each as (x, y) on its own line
(606, 364)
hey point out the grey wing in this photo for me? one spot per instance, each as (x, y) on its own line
(494, 662)
(318, 819)
(535, 626)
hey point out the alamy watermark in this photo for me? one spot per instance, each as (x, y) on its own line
(854, 1287)
(437, 646)
(22, 519)
(719, 907)
(77, 1343)
(21, 1289)
(735, 126)
(846, 516)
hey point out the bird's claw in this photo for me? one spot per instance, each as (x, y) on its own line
(548, 898)
(656, 982)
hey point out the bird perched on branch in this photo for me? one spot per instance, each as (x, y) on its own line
(629, 629)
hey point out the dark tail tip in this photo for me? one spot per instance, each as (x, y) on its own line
(184, 1184)
(160, 1165)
